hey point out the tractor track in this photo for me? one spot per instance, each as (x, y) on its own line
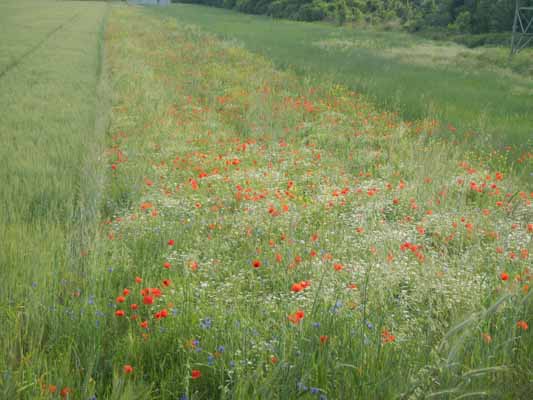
(36, 47)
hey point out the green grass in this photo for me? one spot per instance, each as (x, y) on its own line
(51, 130)
(470, 96)
(191, 107)
(224, 183)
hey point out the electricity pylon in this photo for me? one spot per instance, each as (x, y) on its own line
(522, 27)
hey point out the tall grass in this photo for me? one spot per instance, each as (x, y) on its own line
(233, 182)
(261, 235)
(52, 132)
(469, 96)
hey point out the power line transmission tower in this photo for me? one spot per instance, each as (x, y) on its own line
(522, 27)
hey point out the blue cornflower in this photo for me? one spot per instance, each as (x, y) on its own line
(206, 323)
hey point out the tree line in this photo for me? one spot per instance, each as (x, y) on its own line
(459, 16)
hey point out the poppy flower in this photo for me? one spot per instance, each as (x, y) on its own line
(324, 339)
(195, 374)
(171, 242)
(256, 263)
(167, 265)
(144, 324)
(387, 337)
(504, 276)
(338, 267)
(296, 287)
(522, 325)
(167, 282)
(134, 306)
(128, 369)
(120, 313)
(138, 279)
(148, 300)
(125, 292)
(65, 392)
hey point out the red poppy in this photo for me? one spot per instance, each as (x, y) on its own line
(120, 313)
(171, 242)
(65, 392)
(167, 265)
(148, 300)
(338, 267)
(125, 292)
(138, 279)
(522, 325)
(134, 306)
(296, 287)
(128, 369)
(167, 282)
(121, 299)
(504, 276)
(324, 339)
(256, 263)
(195, 374)
(144, 324)
(387, 337)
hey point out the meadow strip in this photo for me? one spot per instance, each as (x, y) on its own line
(269, 236)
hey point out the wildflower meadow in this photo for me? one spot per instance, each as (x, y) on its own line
(259, 234)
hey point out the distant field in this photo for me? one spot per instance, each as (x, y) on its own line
(51, 135)
(469, 89)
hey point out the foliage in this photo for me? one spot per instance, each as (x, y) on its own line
(473, 16)
(258, 234)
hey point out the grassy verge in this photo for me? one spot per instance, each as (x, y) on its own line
(274, 237)
(454, 85)
(52, 132)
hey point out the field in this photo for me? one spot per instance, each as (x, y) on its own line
(472, 90)
(188, 220)
(52, 133)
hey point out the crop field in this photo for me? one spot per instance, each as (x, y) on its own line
(186, 219)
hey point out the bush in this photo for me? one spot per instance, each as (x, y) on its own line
(315, 11)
